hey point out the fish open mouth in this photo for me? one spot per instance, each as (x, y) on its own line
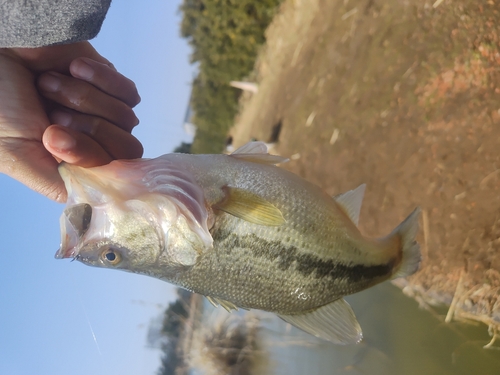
(66, 253)
(75, 221)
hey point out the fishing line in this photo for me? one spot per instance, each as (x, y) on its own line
(90, 326)
(80, 299)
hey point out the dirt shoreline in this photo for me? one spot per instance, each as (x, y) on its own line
(405, 97)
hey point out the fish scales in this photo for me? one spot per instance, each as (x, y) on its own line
(314, 220)
(236, 229)
(293, 283)
(303, 261)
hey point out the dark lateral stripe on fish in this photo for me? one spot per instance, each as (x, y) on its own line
(305, 264)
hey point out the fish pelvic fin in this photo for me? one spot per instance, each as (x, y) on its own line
(351, 201)
(228, 306)
(334, 322)
(407, 231)
(257, 152)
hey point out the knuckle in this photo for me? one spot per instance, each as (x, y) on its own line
(7, 156)
(128, 119)
(56, 192)
(78, 95)
(95, 126)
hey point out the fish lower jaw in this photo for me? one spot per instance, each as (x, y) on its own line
(63, 253)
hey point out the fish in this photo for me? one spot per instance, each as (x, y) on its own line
(237, 229)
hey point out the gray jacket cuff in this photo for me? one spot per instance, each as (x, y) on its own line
(37, 23)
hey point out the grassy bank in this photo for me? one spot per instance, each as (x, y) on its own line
(226, 36)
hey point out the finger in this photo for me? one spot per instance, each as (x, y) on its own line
(118, 143)
(31, 164)
(106, 79)
(74, 147)
(85, 98)
(58, 57)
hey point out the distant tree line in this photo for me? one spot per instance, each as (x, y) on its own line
(225, 36)
(183, 148)
(173, 321)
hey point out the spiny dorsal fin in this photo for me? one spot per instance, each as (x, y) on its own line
(255, 147)
(250, 207)
(351, 201)
(334, 322)
(257, 152)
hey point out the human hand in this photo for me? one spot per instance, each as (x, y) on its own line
(93, 114)
(94, 111)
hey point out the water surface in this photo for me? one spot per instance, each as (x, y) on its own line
(399, 338)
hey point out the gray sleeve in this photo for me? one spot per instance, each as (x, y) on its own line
(36, 23)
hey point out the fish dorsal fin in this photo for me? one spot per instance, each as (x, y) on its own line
(228, 306)
(351, 201)
(250, 207)
(257, 152)
(255, 147)
(334, 322)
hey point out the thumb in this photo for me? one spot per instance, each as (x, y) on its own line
(34, 167)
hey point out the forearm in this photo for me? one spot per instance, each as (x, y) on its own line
(36, 23)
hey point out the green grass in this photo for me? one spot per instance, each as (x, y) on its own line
(226, 36)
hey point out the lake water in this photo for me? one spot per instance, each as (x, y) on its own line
(399, 338)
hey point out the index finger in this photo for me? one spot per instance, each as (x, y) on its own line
(105, 79)
(57, 57)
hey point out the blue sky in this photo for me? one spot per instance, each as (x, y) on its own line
(51, 310)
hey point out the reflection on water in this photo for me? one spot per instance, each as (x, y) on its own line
(399, 338)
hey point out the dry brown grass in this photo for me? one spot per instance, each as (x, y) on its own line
(434, 105)
(228, 344)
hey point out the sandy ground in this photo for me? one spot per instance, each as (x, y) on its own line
(403, 96)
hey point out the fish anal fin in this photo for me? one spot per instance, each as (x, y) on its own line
(250, 207)
(351, 201)
(228, 306)
(334, 322)
(257, 152)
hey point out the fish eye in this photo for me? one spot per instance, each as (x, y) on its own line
(111, 256)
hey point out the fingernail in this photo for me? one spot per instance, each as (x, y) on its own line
(49, 82)
(61, 118)
(82, 70)
(60, 140)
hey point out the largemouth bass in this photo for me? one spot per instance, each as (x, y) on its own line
(237, 229)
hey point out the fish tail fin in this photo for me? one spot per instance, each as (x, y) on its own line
(407, 231)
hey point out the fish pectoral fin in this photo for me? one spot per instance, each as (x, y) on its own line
(256, 152)
(250, 207)
(350, 202)
(228, 306)
(334, 322)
